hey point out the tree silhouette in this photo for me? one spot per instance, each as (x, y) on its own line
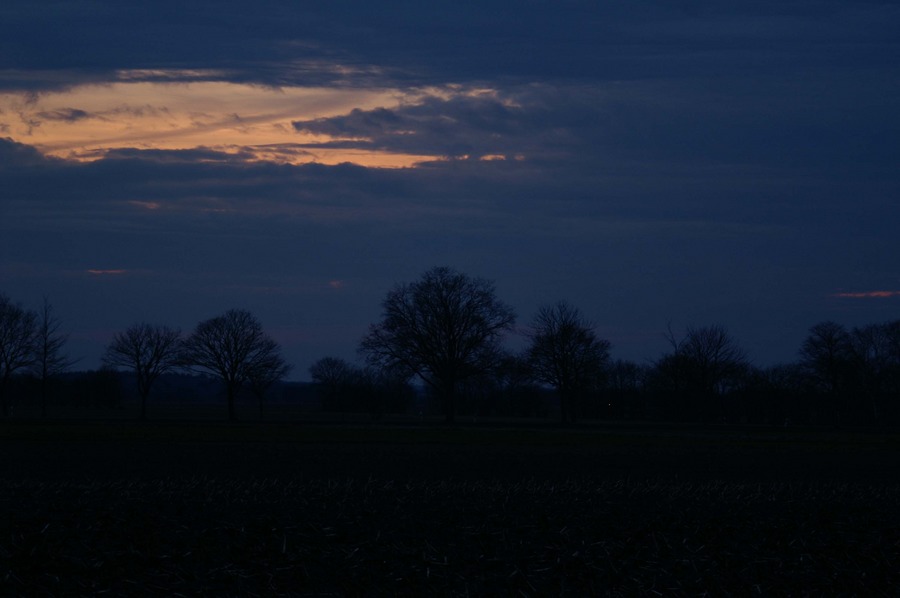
(444, 328)
(233, 347)
(515, 389)
(874, 369)
(149, 351)
(49, 360)
(826, 355)
(18, 334)
(333, 376)
(267, 369)
(566, 354)
(700, 367)
(625, 386)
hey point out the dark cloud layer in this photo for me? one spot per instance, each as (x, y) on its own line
(693, 162)
(275, 43)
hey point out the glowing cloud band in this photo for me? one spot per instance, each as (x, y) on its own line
(247, 122)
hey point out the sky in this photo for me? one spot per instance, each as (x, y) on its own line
(656, 164)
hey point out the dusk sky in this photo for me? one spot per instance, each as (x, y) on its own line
(653, 163)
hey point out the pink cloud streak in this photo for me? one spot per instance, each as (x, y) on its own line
(868, 294)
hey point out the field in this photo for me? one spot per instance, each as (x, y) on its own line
(301, 509)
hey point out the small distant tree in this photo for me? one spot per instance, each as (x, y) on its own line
(49, 360)
(149, 351)
(445, 328)
(333, 377)
(714, 357)
(827, 355)
(566, 354)
(267, 367)
(782, 395)
(624, 386)
(828, 358)
(18, 334)
(232, 347)
(700, 369)
(518, 393)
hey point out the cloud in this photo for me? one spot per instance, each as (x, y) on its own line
(642, 245)
(767, 124)
(460, 126)
(64, 114)
(868, 295)
(538, 122)
(660, 160)
(14, 155)
(85, 122)
(198, 155)
(354, 43)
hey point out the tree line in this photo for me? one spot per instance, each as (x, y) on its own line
(446, 331)
(231, 347)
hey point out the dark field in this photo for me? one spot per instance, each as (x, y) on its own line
(268, 509)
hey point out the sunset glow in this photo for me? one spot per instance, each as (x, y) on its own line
(86, 122)
(869, 295)
(650, 163)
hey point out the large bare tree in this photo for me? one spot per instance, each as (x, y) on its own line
(445, 328)
(148, 350)
(18, 333)
(233, 347)
(566, 354)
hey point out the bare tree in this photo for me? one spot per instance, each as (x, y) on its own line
(445, 328)
(826, 355)
(701, 367)
(149, 351)
(625, 383)
(266, 368)
(49, 360)
(333, 376)
(829, 360)
(230, 346)
(18, 333)
(566, 354)
(715, 357)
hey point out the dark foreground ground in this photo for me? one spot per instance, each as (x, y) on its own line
(271, 509)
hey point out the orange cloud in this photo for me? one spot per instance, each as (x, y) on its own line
(84, 122)
(868, 294)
